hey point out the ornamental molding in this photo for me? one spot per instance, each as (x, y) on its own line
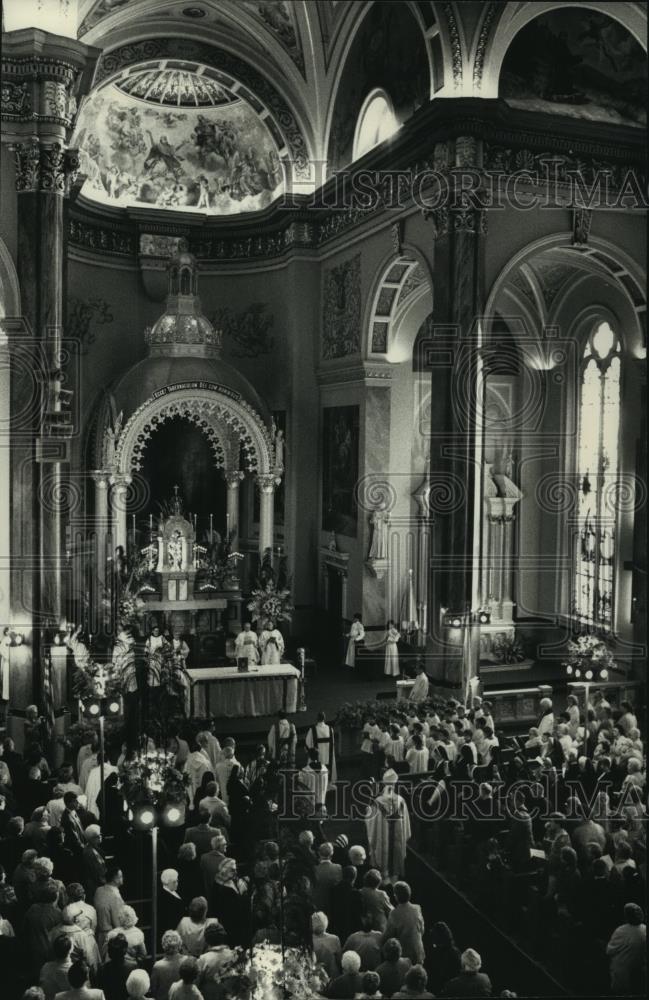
(283, 117)
(483, 39)
(456, 44)
(372, 375)
(223, 415)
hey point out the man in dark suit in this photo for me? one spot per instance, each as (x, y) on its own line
(92, 861)
(171, 908)
(71, 824)
(202, 834)
(326, 876)
(346, 905)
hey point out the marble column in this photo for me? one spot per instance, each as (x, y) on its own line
(43, 78)
(500, 521)
(119, 493)
(459, 261)
(266, 485)
(102, 527)
(233, 481)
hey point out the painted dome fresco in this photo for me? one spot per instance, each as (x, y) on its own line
(170, 135)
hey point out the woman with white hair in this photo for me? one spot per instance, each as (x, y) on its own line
(77, 925)
(471, 982)
(326, 947)
(137, 984)
(546, 720)
(127, 925)
(350, 982)
(230, 902)
(37, 829)
(165, 970)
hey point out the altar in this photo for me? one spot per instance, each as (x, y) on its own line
(225, 692)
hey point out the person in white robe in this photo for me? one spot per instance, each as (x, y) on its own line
(246, 645)
(388, 830)
(321, 738)
(314, 777)
(417, 756)
(197, 764)
(420, 687)
(223, 770)
(93, 786)
(271, 643)
(355, 635)
(282, 736)
(391, 665)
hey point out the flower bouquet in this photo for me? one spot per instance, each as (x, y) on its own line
(588, 656)
(270, 603)
(507, 648)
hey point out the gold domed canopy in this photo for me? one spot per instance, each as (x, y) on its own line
(183, 330)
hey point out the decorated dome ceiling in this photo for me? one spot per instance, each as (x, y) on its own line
(173, 137)
(175, 87)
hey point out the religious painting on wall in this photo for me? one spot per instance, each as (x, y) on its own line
(340, 442)
(579, 62)
(176, 138)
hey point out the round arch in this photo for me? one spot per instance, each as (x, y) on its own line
(402, 297)
(224, 418)
(599, 256)
(9, 285)
(488, 61)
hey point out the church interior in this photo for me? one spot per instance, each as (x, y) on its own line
(323, 497)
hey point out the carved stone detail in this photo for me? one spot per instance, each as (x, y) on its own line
(581, 222)
(15, 99)
(341, 321)
(483, 39)
(27, 156)
(456, 45)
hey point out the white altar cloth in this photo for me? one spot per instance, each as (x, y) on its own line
(225, 692)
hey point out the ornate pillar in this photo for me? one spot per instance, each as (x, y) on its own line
(102, 526)
(500, 521)
(120, 484)
(43, 75)
(233, 480)
(452, 354)
(266, 485)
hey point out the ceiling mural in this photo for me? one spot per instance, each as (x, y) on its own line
(175, 87)
(278, 17)
(578, 62)
(163, 150)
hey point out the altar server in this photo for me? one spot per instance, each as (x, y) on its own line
(271, 642)
(321, 738)
(355, 635)
(246, 645)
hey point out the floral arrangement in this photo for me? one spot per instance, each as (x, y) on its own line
(150, 776)
(588, 655)
(272, 974)
(507, 648)
(131, 609)
(269, 602)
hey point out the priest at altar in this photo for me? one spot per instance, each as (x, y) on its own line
(388, 829)
(246, 645)
(271, 644)
(320, 737)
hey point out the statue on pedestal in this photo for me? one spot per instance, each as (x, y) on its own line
(379, 520)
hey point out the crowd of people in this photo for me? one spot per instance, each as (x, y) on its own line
(555, 836)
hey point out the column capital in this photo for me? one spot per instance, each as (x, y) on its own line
(44, 167)
(266, 482)
(101, 478)
(233, 478)
(120, 480)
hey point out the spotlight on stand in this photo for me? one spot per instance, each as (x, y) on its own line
(113, 707)
(145, 817)
(173, 815)
(453, 619)
(484, 617)
(91, 707)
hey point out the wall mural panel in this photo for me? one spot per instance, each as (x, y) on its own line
(341, 320)
(388, 52)
(214, 158)
(577, 62)
(340, 442)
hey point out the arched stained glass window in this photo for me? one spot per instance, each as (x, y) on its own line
(376, 122)
(597, 468)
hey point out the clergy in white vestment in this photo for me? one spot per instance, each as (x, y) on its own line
(245, 645)
(223, 770)
(355, 635)
(321, 738)
(315, 778)
(197, 764)
(271, 643)
(420, 687)
(388, 830)
(212, 748)
(93, 786)
(282, 736)
(391, 665)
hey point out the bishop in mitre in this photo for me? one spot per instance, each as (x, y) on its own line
(388, 829)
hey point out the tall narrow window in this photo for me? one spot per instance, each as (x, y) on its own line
(597, 468)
